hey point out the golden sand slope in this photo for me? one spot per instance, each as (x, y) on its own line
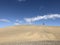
(29, 33)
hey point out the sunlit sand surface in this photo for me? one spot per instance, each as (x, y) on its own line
(29, 33)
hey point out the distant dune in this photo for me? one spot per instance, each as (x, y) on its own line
(29, 33)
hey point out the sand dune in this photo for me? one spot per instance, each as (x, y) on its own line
(29, 33)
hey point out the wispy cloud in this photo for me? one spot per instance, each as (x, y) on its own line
(21, 0)
(4, 20)
(45, 17)
(18, 22)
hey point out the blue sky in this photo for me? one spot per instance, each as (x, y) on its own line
(17, 11)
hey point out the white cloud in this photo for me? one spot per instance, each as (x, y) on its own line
(4, 20)
(16, 23)
(21, 0)
(51, 16)
(19, 21)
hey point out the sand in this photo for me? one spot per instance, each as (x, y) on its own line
(29, 33)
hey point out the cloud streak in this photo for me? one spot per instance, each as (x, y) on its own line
(4, 20)
(45, 17)
(18, 22)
